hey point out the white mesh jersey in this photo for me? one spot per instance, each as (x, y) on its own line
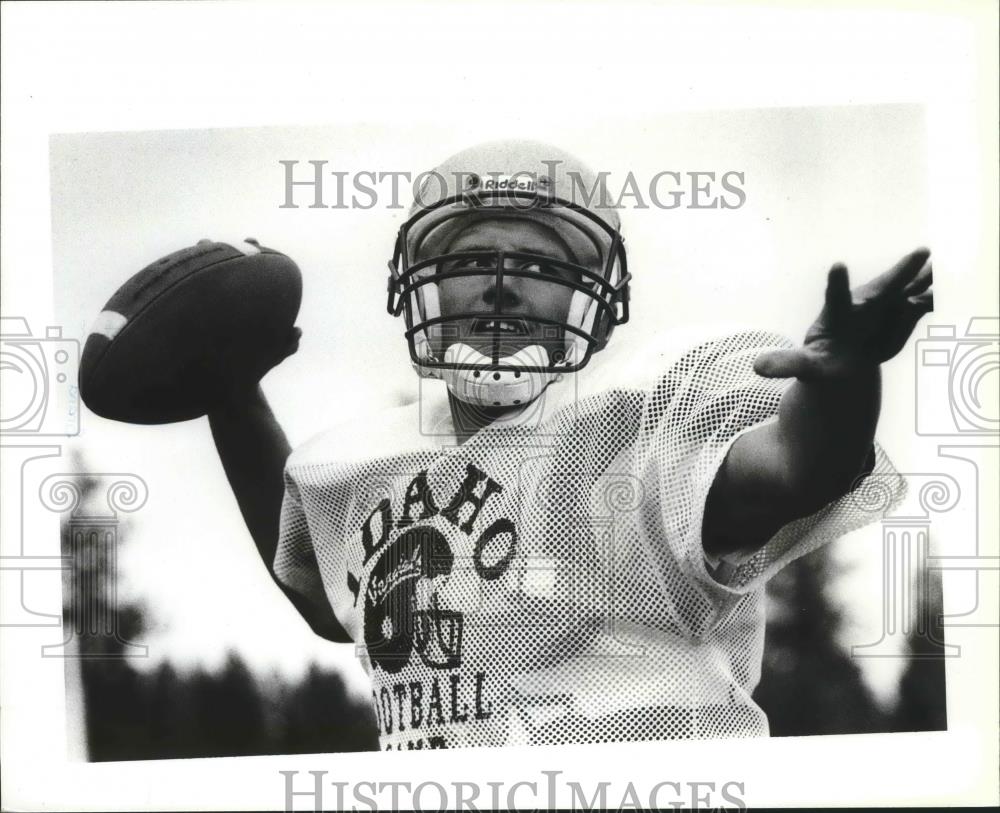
(544, 582)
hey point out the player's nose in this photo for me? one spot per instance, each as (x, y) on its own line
(508, 293)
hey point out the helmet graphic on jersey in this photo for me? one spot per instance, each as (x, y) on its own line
(519, 184)
(401, 606)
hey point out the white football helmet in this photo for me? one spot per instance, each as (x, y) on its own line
(515, 181)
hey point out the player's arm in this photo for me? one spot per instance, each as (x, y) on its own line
(253, 449)
(822, 440)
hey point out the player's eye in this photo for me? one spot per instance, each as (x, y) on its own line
(551, 271)
(484, 263)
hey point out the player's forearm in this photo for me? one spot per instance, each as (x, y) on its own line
(825, 432)
(253, 450)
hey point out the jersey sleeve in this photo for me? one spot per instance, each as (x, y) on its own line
(296, 567)
(694, 414)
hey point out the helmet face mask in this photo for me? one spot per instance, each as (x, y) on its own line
(594, 280)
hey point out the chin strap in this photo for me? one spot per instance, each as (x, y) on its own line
(485, 387)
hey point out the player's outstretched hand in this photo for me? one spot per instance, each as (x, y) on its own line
(859, 329)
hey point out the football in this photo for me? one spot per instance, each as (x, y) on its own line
(173, 337)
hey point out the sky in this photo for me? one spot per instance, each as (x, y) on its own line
(822, 185)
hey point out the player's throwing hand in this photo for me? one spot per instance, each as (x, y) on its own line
(859, 329)
(255, 361)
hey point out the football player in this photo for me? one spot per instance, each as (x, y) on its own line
(558, 543)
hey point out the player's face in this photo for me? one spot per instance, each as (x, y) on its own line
(529, 296)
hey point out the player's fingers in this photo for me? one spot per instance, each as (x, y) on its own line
(901, 274)
(292, 345)
(908, 321)
(838, 291)
(782, 364)
(921, 282)
(923, 303)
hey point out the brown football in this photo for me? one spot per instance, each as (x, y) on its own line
(169, 339)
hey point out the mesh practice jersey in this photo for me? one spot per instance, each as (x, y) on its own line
(544, 582)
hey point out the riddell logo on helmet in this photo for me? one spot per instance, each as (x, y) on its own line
(513, 183)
